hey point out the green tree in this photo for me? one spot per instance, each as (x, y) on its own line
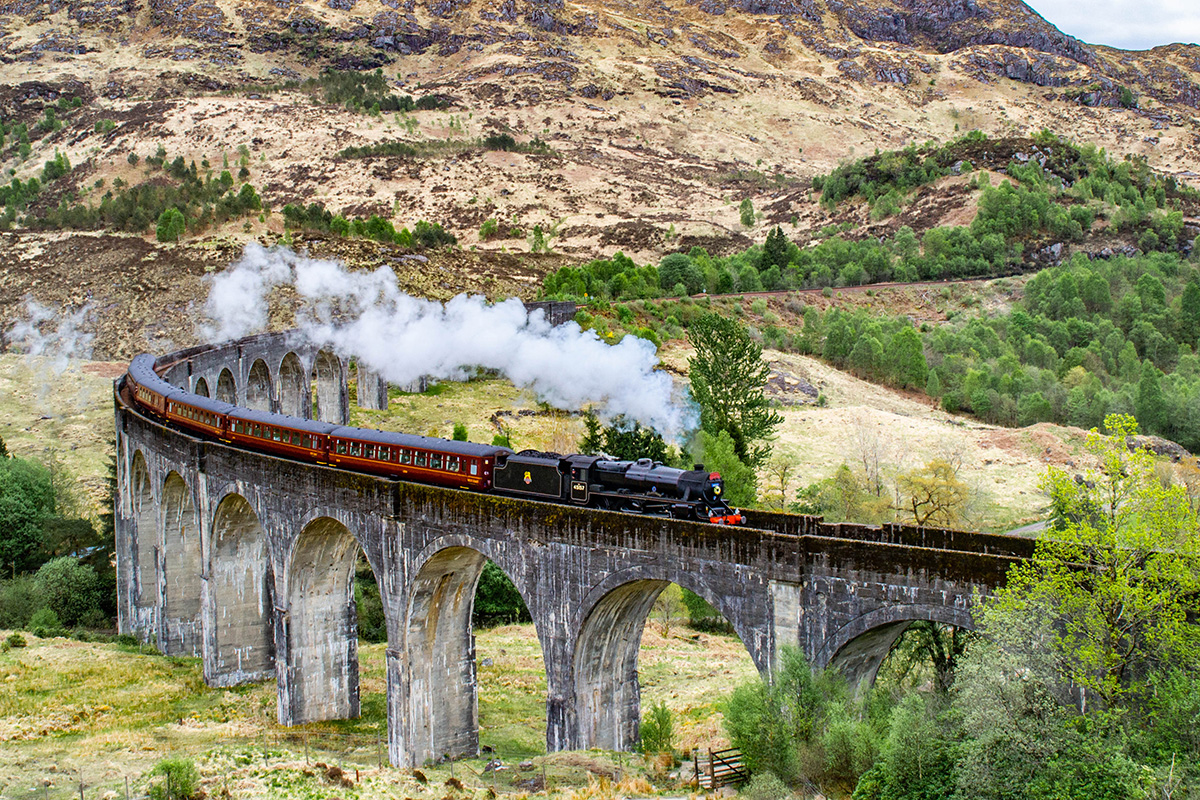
(26, 500)
(71, 589)
(171, 225)
(934, 494)
(1151, 405)
(1123, 619)
(906, 359)
(746, 213)
(727, 378)
(1189, 313)
(679, 268)
(497, 600)
(775, 250)
(741, 483)
(460, 432)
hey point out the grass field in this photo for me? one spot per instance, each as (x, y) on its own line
(114, 712)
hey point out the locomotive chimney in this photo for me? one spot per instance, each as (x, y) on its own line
(698, 467)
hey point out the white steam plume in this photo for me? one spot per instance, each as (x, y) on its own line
(365, 315)
(56, 338)
(51, 343)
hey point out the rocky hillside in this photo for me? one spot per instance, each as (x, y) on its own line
(641, 125)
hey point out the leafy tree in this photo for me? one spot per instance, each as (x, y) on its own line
(843, 497)
(933, 494)
(1124, 617)
(720, 456)
(678, 268)
(171, 225)
(497, 600)
(1151, 405)
(727, 378)
(460, 432)
(906, 357)
(1189, 316)
(26, 500)
(746, 213)
(70, 588)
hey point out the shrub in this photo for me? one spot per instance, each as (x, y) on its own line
(20, 598)
(657, 731)
(70, 588)
(44, 619)
(180, 780)
(460, 432)
(489, 229)
(765, 786)
(15, 640)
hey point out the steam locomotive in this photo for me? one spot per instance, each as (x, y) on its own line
(642, 486)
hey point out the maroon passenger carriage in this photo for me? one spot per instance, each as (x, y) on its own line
(642, 486)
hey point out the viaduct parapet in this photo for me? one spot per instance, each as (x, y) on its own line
(247, 561)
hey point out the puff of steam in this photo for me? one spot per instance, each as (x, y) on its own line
(56, 337)
(400, 337)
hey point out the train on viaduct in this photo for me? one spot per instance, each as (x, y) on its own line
(246, 560)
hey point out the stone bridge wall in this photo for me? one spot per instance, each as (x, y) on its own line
(247, 560)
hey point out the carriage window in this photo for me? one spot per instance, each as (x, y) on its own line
(405, 457)
(474, 468)
(452, 463)
(435, 461)
(354, 448)
(421, 459)
(296, 438)
(341, 448)
(369, 450)
(385, 453)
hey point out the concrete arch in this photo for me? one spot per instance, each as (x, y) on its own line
(605, 659)
(858, 648)
(226, 387)
(240, 641)
(320, 681)
(441, 710)
(329, 378)
(182, 568)
(201, 387)
(145, 520)
(258, 387)
(293, 388)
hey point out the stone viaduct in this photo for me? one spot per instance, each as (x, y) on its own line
(247, 561)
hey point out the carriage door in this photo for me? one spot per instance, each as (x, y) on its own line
(579, 485)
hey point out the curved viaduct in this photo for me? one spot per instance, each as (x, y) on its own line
(247, 560)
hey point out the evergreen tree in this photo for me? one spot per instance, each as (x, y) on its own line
(933, 386)
(727, 376)
(775, 250)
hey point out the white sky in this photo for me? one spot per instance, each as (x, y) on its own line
(1128, 24)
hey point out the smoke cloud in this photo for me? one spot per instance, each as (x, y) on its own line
(366, 316)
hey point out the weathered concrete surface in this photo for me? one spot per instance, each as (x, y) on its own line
(258, 555)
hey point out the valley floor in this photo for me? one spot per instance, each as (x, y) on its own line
(110, 713)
